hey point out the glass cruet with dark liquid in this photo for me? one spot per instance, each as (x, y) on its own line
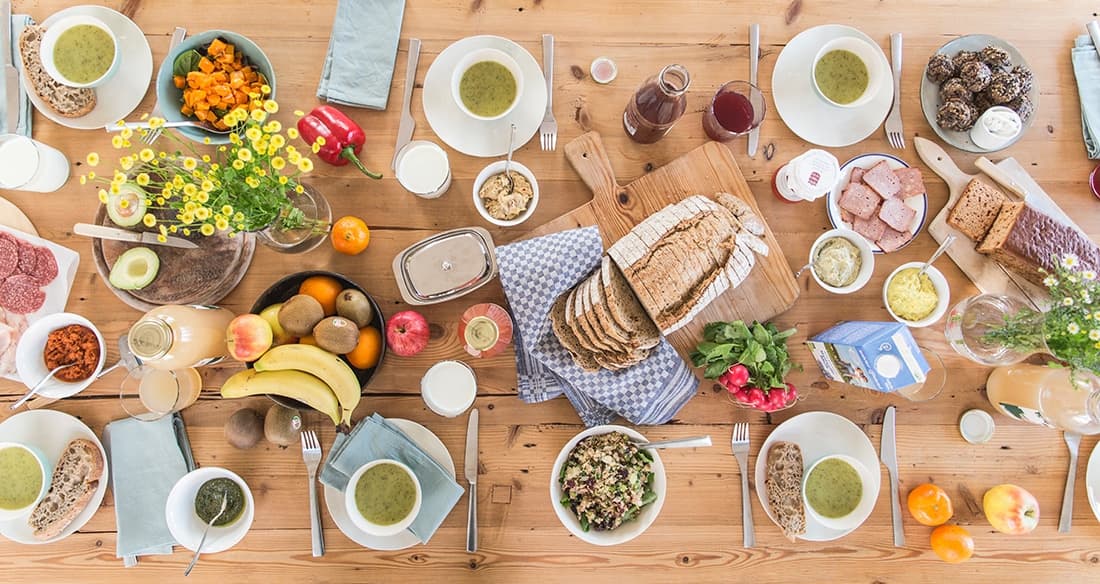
(657, 105)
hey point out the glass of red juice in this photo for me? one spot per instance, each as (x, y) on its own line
(737, 108)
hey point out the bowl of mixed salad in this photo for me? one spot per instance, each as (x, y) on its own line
(604, 489)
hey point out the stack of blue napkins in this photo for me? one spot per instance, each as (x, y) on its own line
(358, 68)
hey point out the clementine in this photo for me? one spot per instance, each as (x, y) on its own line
(324, 289)
(930, 505)
(366, 354)
(350, 235)
(952, 543)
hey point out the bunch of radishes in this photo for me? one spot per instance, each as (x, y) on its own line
(736, 381)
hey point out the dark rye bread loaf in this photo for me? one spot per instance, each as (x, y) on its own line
(976, 209)
(1026, 240)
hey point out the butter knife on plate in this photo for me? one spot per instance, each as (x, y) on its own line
(116, 234)
(471, 477)
(11, 76)
(408, 124)
(888, 453)
(754, 63)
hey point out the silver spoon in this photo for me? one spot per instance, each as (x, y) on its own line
(694, 442)
(34, 390)
(126, 357)
(198, 549)
(939, 251)
(508, 162)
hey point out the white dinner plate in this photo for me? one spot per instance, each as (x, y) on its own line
(50, 432)
(819, 434)
(334, 499)
(866, 161)
(119, 96)
(1092, 481)
(805, 112)
(480, 137)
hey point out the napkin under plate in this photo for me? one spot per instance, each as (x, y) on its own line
(18, 23)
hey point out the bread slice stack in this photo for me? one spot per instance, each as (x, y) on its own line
(783, 485)
(69, 102)
(74, 482)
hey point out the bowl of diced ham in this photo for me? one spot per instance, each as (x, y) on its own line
(880, 197)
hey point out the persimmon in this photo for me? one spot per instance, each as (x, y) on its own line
(952, 543)
(930, 505)
(350, 235)
(324, 289)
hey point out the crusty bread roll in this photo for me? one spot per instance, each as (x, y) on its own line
(75, 479)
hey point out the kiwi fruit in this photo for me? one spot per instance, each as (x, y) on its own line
(244, 428)
(354, 306)
(282, 425)
(336, 334)
(300, 314)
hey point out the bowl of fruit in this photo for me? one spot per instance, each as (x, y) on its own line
(313, 339)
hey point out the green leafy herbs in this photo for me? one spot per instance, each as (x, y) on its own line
(761, 348)
(186, 62)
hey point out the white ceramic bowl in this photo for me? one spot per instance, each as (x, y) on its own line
(867, 260)
(49, 42)
(32, 368)
(184, 523)
(47, 474)
(362, 522)
(866, 501)
(877, 76)
(478, 56)
(628, 530)
(498, 168)
(943, 293)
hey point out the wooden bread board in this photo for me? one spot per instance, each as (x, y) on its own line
(988, 275)
(770, 288)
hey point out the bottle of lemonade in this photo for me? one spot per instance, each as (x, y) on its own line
(174, 337)
(1055, 397)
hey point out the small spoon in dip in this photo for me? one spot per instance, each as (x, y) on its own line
(935, 256)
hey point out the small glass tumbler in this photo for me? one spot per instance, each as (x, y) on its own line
(738, 107)
(150, 394)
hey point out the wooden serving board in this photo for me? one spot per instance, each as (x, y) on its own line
(988, 275)
(12, 216)
(769, 290)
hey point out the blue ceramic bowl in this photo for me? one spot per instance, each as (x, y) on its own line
(170, 97)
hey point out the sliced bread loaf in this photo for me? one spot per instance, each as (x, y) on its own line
(74, 482)
(69, 102)
(581, 356)
(623, 304)
(1028, 240)
(976, 209)
(783, 485)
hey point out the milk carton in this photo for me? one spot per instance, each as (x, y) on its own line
(876, 355)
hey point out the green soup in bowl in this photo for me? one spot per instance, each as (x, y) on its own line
(383, 497)
(24, 479)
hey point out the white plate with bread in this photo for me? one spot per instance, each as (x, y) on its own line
(87, 108)
(74, 452)
(817, 434)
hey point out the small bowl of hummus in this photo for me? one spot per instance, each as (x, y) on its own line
(841, 261)
(500, 205)
(916, 301)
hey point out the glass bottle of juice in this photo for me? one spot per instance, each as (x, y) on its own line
(1049, 396)
(657, 105)
(177, 337)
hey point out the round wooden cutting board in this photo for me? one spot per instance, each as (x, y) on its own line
(12, 216)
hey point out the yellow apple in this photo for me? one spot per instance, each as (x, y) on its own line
(248, 337)
(1011, 509)
(271, 315)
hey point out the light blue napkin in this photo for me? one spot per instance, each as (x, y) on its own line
(1086, 68)
(375, 438)
(18, 23)
(361, 53)
(146, 462)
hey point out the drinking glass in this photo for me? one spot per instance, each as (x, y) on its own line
(738, 107)
(150, 394)
(29, 165)
(933, 381)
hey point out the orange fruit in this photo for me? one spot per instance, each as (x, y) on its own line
(350, 235)
(365, 354)
(952, 543)
(324, 289)
(930, 505)
(308, 340)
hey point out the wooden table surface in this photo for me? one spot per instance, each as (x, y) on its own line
(697, 537)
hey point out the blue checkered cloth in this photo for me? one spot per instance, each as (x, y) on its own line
(534, 273)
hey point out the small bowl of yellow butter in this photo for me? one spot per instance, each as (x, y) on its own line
(915, 299)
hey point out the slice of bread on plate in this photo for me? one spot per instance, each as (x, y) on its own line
(69, 102)
(783, 485)
(74, 482)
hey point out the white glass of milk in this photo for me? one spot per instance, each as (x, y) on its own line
(29, 165)
(449, 388)
(423, 169)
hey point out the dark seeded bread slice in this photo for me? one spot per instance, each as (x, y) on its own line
(74, 482)
(69, 102)
(624, 306)
(581, 356)
(584, 297)
(583, 325)
(783, 485)
(602, 316)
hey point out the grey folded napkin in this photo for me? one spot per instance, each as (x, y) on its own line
(1086, 68)
(18, 23)
(146, 462)
(534, 273)
(374, 438)
(362, 50)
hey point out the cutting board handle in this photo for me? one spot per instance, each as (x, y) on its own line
(589, 158)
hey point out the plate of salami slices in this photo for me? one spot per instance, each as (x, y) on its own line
(35, 278)
(880, 197)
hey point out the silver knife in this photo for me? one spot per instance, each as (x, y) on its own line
(754, 62)
(888, 453)
(11, 76)
(405, 130)
(116, 234)
(471, 477)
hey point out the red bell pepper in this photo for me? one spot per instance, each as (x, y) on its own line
(343, 138)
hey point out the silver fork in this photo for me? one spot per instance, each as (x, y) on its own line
(311, 454)
(894, 131)
(740, 443)
(1073, 441)
(548, 131)
(154, 133)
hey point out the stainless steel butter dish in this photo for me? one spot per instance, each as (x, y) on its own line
(445, 266)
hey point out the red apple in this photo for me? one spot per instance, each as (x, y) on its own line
(1011, 509)
(249, 336)
(407, 333)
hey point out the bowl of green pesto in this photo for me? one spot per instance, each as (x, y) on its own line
(604, 489)
(196, 500)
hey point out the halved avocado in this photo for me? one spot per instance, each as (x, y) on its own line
(128, 206)
(135, 269)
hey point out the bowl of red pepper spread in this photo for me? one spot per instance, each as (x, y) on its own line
(75, 346)
(55, 340)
